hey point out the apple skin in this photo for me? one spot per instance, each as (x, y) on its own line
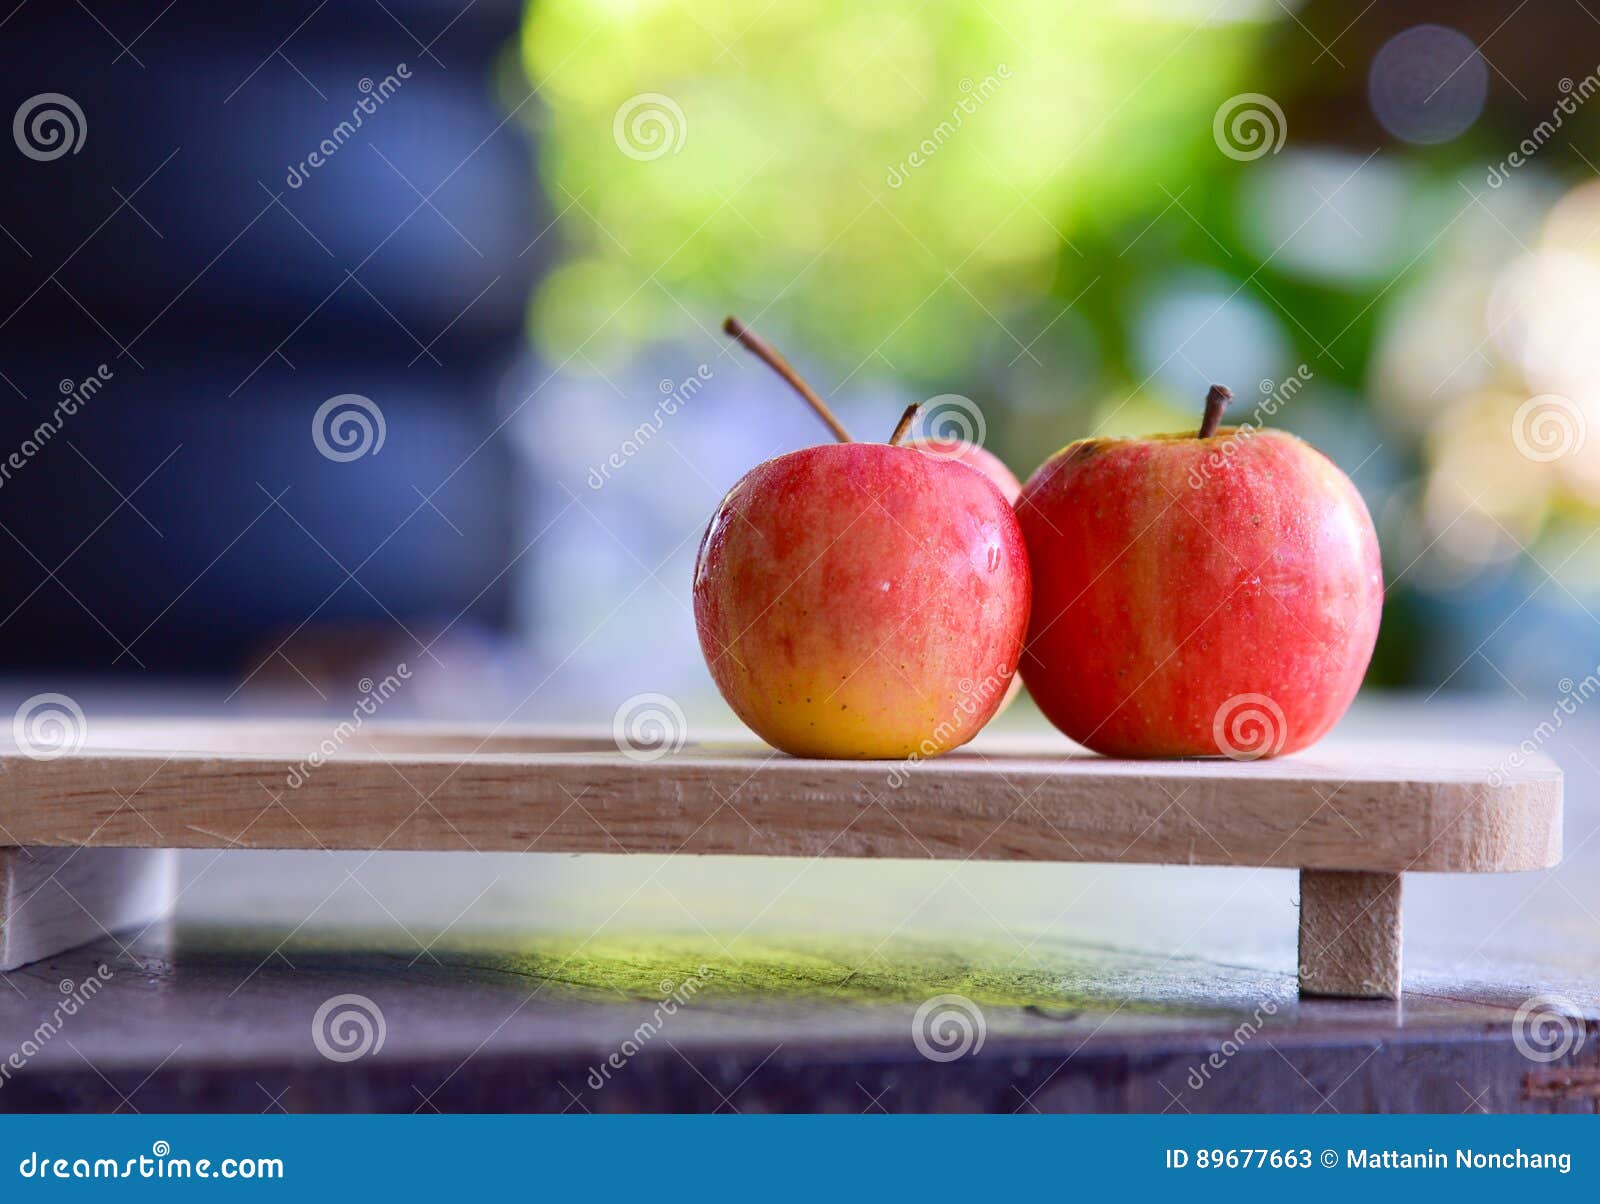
(973, 455)
(1193, 598)
(860, 600)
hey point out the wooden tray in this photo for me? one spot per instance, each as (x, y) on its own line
(1351, 818)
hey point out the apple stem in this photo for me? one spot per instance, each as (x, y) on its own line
(1216, 401)
(904, 424)
(768, 354)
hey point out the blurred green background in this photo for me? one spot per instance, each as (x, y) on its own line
(1078, 215)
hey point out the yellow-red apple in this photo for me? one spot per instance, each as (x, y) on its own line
(1198, 594)
(862, 600)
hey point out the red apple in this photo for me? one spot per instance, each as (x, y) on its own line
(1198, 594)
(862, 600)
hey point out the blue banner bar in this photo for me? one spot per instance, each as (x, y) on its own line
(793, 1158)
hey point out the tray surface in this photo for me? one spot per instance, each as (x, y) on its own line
(308, 784)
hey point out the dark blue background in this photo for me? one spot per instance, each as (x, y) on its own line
(159, 250)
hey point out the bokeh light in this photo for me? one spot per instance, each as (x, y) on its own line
(1428, 84)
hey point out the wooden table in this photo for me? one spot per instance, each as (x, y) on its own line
(537, 982)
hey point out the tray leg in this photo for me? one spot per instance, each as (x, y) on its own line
(52, 900)
(1350, 934)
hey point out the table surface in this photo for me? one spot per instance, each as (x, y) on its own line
(620, 983)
